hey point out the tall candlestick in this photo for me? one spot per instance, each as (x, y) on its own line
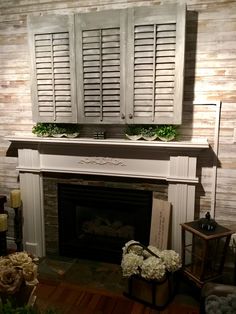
(3, 222)
(3, 200)
(15, 198)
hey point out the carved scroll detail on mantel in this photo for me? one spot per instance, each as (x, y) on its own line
(102, 161)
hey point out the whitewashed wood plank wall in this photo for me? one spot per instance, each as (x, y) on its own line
(210, 77)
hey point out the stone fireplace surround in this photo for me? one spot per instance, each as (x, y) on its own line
(173, 162)
(51, 191)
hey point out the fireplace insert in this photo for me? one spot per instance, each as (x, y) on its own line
(95, 222)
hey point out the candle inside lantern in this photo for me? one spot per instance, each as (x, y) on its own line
(15, 199)
(3, 222)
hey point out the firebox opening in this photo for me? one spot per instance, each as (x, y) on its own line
(95, 222)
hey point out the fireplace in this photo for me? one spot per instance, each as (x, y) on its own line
(95, 222)
(173, 162)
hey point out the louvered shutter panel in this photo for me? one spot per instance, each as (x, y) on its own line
(53, 76)
(100, 57)
(155, 62)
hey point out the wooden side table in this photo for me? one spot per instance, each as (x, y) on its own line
(203, 252)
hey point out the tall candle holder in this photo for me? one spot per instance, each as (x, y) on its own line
(18, 235)
(3, 226)
(15, 199)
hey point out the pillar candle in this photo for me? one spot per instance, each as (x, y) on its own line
(3, 222)
(15, 198)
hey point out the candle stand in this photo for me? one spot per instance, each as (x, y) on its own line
(3, 226)
(15, 200)
(18, 229)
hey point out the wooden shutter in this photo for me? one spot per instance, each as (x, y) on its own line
(53, 77)
(100, 57)
(155, 63)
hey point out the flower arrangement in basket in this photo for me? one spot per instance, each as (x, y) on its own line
(150, 273)
(18, 277)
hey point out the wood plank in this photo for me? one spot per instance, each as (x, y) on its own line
(159, 233)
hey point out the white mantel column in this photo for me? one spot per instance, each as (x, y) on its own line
(31, 186)
(181, 195)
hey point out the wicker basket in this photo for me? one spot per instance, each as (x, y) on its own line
(154, 293)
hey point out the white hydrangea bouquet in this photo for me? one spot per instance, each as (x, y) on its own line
(18, 271)
(150, 273)
(148, 262)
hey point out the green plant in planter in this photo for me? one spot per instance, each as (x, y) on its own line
(42, 129)
(52, 129)
(10, 308)
(132, 129)
(67, 129)
(133, 132)
(166, 132)
(149, 130)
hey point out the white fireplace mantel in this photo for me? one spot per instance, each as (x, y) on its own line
(174, 162)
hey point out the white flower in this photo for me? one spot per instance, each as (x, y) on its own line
(171, 260)
(139, 260)
(153, 268)
(137, 249)
(130, 264)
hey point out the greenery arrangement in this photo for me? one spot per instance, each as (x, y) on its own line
(166, 132)
(133, 129)
(149, 131)
(10, 308)
(163, 132)
(53, 129)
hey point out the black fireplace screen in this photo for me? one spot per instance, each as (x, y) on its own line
(95, 222)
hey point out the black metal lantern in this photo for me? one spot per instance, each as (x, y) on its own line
(207, 223)
(204, 247)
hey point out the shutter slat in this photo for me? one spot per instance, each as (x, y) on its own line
(154, 69)
(53, 85)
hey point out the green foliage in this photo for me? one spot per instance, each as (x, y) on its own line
(149, 130)
(166, 131)
(10, 308)
(49, 129)
(133, 129)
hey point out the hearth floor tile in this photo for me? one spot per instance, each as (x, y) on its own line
(87, 273)
(94, 275)
(55, 268)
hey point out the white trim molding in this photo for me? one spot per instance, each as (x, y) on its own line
(174, 162)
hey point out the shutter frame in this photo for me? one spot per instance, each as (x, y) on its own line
(112, 99)
(126, 109)
(143, 17)
(61, 85)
